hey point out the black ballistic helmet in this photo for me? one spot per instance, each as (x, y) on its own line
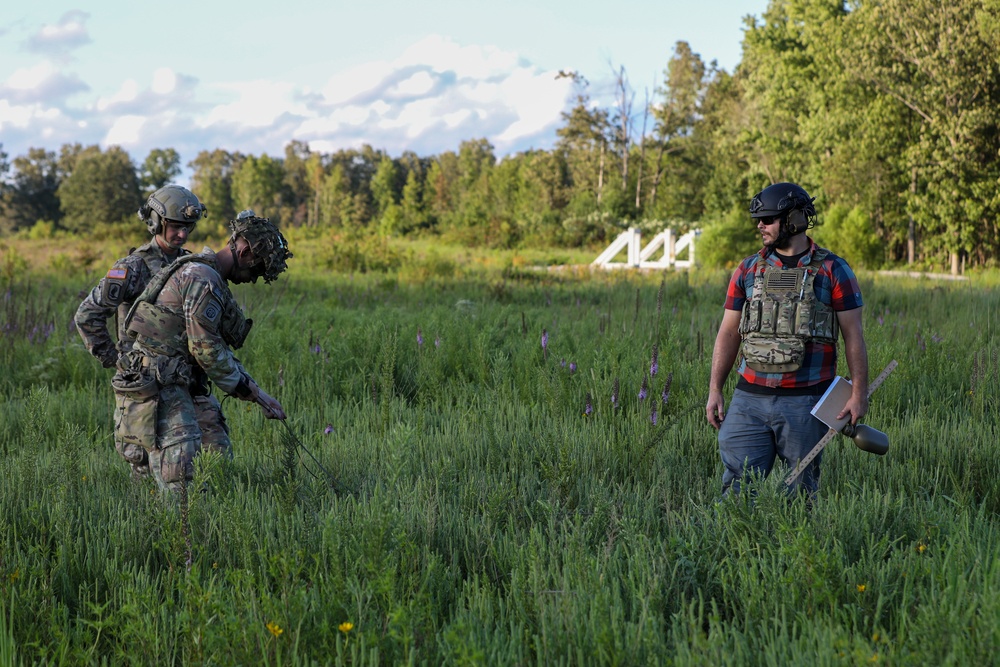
(778, 199)
(782, 199)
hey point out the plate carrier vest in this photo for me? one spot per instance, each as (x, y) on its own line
(783, 314)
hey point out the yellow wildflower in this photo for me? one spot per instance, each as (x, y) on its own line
(921, 548)
(274, 628)
(345, 627)
(861, 588)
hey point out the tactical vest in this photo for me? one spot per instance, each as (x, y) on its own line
(783, 314)
(168, 329)
(153, 260)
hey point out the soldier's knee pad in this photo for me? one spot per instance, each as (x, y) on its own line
(175, 463)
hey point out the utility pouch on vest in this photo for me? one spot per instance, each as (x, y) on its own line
(234, 327)
(136, 401)
(782, 354)
(158, 324)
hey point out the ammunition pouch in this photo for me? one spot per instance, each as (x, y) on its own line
(136, 401)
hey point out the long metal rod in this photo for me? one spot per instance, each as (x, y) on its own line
(825, 440)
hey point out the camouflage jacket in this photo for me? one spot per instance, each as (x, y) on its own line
(117, 291)
(187, 323)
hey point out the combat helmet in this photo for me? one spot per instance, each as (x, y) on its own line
(786, 200)
(171, 202)
(269, 247)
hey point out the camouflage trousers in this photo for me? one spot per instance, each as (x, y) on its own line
(175, 429)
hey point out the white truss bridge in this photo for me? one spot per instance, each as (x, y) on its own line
(660, 253)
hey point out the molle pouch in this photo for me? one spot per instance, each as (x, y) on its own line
(804, 318)
(234, 327)
(786, 318)
(774, 355)
(751, 317)
(768, 316)
(136, 401)
(825, 329)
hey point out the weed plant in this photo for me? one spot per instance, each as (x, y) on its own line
(472, 496)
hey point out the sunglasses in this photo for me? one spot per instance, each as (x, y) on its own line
(767, 221)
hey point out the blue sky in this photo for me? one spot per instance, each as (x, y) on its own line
(252, 76)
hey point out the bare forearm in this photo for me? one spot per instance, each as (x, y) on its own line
(857, 364)
(727, 347)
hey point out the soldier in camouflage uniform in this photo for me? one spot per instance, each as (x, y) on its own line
(784, 311)
(170, 214)
(185, 325)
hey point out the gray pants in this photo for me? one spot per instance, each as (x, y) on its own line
(759, 428)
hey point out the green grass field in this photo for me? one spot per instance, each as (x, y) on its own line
(476, 514)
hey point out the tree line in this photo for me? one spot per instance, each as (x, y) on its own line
(886, 110)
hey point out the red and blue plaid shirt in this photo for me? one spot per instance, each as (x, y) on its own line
(835, 285)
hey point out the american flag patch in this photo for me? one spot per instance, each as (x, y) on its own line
(118, 274)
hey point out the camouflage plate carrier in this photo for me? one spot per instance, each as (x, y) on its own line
(782, 315)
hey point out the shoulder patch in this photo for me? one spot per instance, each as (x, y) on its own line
(113, 286)
(209, 312)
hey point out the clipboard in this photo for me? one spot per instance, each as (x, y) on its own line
(832, 402)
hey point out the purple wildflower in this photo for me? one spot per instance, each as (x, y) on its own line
(589, 408)
(545, 343)
(652, 416)
(665, 394)
(420, 337)
(329, 429)
(614, 394)
(654, 362)
(572, 367)
(562, 362)
(880, 320)
(316, 349)
(644, 389)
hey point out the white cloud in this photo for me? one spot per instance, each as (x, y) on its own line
(259, 104)
(127, 93)
(418, 84)
(59, 39)
(432, 97)
(164, 81)
(125, 131)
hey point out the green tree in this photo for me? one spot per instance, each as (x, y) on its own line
(412, 204)
(300, 183)
(212, 183)
(102, 187)
(160, 167)
(929, 58)
(257, 184)
(583, 142)
(677, 151)
(30, 195)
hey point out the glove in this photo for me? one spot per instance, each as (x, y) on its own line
(108, 357)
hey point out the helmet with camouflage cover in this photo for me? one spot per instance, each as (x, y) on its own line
(269, 247)
(171, 202)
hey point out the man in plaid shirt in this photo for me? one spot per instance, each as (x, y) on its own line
(783, 310)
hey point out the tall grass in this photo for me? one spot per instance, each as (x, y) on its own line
(467, 509)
